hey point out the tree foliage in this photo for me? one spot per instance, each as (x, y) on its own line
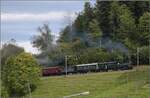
(20, 73)
(144, 55)
(143, 29)
(44, 40)
(7, 50)
(138, 8)
(88, 16)
(102, 10)
(79, 23)
(122, 22)
(91, 55)
(95, 29)
(125, 22)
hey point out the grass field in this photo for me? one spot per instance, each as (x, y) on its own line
(120, 84)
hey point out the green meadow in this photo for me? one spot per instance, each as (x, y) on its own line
(115, 84)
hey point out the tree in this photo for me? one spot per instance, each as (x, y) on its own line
(123, 24)
(116, 20)
(131, 44)
(94, 29)
(119, 56)
(77, 46)
(143, 29)
(4, 93)
(9, 49)
(91, 55)
(20, 73)
(144, 55)
(65, 35)
(88, 16)
(142, 6)
(102, 14)
(127, 23)
(79, 23)
(44, 40)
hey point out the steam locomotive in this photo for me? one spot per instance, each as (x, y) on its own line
(85, 68)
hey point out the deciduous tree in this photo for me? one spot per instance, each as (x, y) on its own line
(20, 73)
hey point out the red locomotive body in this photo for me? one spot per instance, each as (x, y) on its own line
(51, 71)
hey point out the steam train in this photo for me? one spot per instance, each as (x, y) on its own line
(85, 68)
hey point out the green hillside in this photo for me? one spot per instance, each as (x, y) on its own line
(121, 84)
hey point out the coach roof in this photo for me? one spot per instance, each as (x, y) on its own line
(90, 64)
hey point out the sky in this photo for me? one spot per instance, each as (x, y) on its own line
(20, 19)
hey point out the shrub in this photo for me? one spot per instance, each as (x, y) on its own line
(20, 73)
(144, 55)
(4, 93)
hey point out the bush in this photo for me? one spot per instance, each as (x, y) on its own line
(4, 93)
(144, 55)
(119, 56)
(7, 50)
(20, 73)
(91, 55)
